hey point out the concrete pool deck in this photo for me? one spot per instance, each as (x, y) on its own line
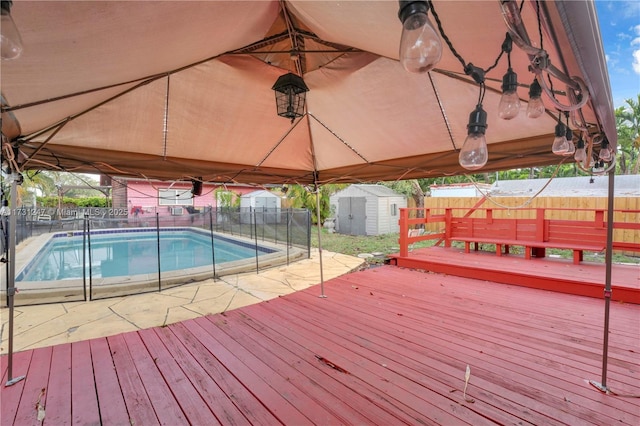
(47, 325)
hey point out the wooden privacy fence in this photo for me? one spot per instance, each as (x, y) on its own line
(577, 229)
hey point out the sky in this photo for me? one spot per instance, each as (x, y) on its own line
(620, 31)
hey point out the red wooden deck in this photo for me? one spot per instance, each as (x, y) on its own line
(387, 346)
(559, 275)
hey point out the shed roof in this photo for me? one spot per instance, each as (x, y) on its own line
(259, 193)
(376, 190)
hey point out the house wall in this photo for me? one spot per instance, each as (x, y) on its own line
(145, 194)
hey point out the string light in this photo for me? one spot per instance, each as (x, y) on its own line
(420, 47)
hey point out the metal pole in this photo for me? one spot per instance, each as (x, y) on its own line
(288, 226)
(213, 250)
(255, 228)
(319, 240)
(7, 230)
(158, 240)
(602, 386)
(90, 259)
(84, 257)
(11, 289)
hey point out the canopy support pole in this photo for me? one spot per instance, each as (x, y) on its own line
(11, 288)
(319, 240)
(602, 386)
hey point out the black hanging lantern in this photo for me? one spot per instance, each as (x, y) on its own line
(290, 95)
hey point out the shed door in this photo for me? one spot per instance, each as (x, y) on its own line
(266, 209)
(352, 219)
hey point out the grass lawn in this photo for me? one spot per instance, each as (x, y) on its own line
(382, 245)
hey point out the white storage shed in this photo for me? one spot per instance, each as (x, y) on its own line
(367, 210)
(262, 204)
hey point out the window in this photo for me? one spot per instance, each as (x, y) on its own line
(394, 210)
(175, 197)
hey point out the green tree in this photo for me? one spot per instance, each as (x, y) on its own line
(411, 188)
(628, 128)
(226, 198)
(35, 184)
(305, 198)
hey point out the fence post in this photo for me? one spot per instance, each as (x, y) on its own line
(213, 251)
(255, 228)
(404, 232)
(90, 259)
(288, 225)
(308, 234)
(447, 227)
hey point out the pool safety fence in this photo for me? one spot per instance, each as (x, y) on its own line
(91, 270)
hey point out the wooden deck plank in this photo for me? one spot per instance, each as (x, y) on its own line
(113, 410)
(10, 395)
(277, 404)
(309, 347)
(137, 401)
(403, 338)
(192, 405)
(58, 409)
(444, 373)
(36, 384)
(164, 402)
(295, 355)
(282, 404)
(619, 355)
(306, 381)
(84, 405)
(537, 323)
(441, 378)
(330, 346)
(233, 401)
(405, 325)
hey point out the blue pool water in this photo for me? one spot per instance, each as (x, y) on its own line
(132, 252)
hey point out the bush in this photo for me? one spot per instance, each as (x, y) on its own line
(68, 202)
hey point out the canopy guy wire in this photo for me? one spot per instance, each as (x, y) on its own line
(338, 137)
(442, 111)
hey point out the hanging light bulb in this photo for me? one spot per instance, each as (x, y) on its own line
(605, 151)
(420, 46)
(581, 154)
(535, 108)
(571, 149)
(560, 146)
(509, 106)
(474, 153)
(10, 40)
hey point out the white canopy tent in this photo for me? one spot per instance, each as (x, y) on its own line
(183, 90)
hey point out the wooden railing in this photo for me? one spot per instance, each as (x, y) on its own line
(531, 229)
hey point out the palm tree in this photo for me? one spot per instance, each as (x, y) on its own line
(35, 183)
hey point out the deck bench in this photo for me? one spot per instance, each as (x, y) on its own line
(537, 248)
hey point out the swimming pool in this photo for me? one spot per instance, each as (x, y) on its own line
(116, 253)
(126, 261)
